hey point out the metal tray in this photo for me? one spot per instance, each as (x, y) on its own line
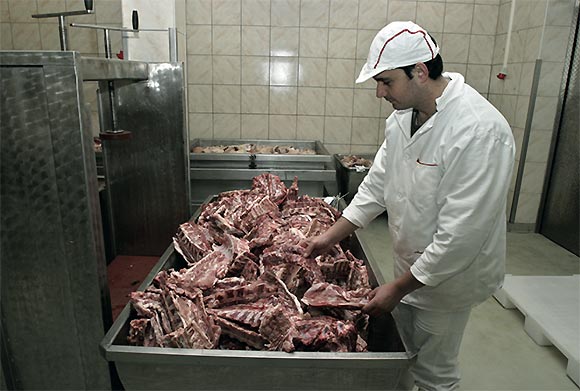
(214, 173)
(321, 160)
(349, 179)
(384, 368)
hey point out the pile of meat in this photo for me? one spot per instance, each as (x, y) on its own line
(247, 284)
(350, 161)
(254, 149)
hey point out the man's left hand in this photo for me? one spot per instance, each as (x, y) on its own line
(383, 299)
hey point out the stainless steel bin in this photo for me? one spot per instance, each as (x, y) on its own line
(385, 367)
(349, 178)
(213, 173)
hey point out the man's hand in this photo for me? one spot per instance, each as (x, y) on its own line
(323, 243)
(386, 297)
(316, 246)
(383, 299)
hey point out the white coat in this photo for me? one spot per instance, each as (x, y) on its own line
(445, 192)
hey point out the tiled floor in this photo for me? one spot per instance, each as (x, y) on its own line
(496, 353)
(125, 274)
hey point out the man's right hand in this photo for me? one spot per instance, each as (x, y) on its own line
(316, 246)
(320, 244)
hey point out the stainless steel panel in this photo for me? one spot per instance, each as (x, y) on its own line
(94, 69)
(54, 294)
(147, 175)
(167, 368)
(209, 181)
(559, 214)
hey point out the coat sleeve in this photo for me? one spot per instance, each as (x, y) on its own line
(472, 197)
(369, 201)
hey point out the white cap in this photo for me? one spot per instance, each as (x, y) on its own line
(397, 45)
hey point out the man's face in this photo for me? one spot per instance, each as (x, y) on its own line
(396, 87)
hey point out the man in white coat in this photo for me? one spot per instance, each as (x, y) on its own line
(442, 174)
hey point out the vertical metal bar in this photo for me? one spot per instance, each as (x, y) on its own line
(107, 43)
(172, 44)
(63, 33)
(526, 140)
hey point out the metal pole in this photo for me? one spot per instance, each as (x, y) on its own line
(172, 44)
(525, 141)
(63, 33)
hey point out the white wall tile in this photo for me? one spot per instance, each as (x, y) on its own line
(5, 12)
(539, 146)
(314, 13)
(199, 11)
(458, 18)
(526, 79)
(339, 101)
(6, 36)
(21, 10)
(310, 127)
(26, 36)
(372, 14)
(337, 130)
(533, 178)
(256, 40)
(255, 126)
(255, 99)
(313, 42)
(227, 70)
(481, 49)
(550, 78)
(285, 12)
(256, 12)
(200, 69)
(284, 41)
(430, 16)
(364, 131)
(226, 99)
(283, 71)
(555, 43)
(311, 101)
(200, 126)
(255, 70)
(283, 100)
(340, 73)
(363, 43)
(200, 98)
(282, 127)
(312, 72)
(401, 10)
(199, 39)
(226, 40)
(522, 110)
(527, 210)
(366, 104)
(108, 12)
(455, 48)
(227, 126)
(485, 19)
(560, 13)
(227, 12)
(544, 112)
(478, 77)
(49, 37)
(342, 43)
(343, 13)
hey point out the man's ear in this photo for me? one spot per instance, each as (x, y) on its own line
(421, 71)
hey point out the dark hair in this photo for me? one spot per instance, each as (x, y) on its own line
(435, 66)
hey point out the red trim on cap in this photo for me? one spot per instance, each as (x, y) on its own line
(396, 35)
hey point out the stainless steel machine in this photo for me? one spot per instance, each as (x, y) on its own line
(54, 294)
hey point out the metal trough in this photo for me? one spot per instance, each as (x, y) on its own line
(384, 367)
